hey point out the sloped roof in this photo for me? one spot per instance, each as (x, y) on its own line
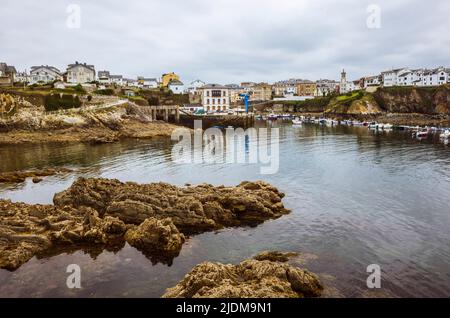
(48, 67)
(91, 67)
(176, 83)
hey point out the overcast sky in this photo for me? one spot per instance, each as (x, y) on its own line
(227, 41)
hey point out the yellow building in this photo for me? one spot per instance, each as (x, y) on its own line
(167, 78)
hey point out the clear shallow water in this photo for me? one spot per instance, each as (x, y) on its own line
(357, 198)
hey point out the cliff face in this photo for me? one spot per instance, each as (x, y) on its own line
(421, 100)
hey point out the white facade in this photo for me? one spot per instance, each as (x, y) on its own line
(150, 83)
(391, 77)
(80, 73)
(104, 77)
(194, 86)
(176, 87)
(21, 77)
(44, 74)
(117, 79)
(326, 87)
(215, 97)
(372, 81)
(418, 77)
(439, 76)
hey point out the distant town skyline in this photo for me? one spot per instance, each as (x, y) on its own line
(228, 41)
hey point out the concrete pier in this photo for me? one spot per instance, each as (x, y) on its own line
(163, 111)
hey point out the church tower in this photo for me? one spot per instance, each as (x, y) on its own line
(343, 86)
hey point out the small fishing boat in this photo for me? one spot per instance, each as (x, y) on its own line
(296, 121)
(445, 134)
(421, 133)
(272, 116)
(387, 126)
(373, 125)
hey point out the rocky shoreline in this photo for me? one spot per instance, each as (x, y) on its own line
(267, 275)
(98, 214)
(36, 174)
(81, 125)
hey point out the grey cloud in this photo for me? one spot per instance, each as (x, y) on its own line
(228, 40)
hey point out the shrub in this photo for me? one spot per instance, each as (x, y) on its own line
(106, 91)
(153, 101)
(78, 88)
(61, 101)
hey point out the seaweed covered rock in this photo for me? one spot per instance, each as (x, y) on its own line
(250, 279)
(193, 209)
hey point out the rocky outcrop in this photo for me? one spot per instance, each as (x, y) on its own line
(160, 236)
(21, 176)
(96, 214)
(261, 277)
(421, 100)
(92, 125)
(193, 209)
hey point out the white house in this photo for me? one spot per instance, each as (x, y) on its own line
(117, 79)
(325, 87)
(215, 97)
(177, 87)
(44, 74)
(372, 81)
(104, 77)
(22, 77)
(194, 86)
(416, 77)
(80, 73)
(436, 77)
(391, 77)
(149, 82)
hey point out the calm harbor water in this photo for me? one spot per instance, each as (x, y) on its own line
(357, 198)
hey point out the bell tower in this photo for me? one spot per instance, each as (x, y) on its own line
(343, 86)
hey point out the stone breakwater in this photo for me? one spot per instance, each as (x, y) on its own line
(267, 275)
(98, 214)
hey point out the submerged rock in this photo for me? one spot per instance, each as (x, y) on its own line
(21, 176)
(99, 213)
(250, 279)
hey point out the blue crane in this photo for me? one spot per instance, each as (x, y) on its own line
(245, 98)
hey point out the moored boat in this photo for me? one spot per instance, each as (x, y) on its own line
(296, 121)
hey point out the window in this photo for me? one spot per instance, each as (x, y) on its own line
(224, 93)
(224, 101)
(216, 93)
(207, 101)
(207, 93)
(218, 101)
(213, 101)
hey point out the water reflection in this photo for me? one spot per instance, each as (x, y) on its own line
(358, 197)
